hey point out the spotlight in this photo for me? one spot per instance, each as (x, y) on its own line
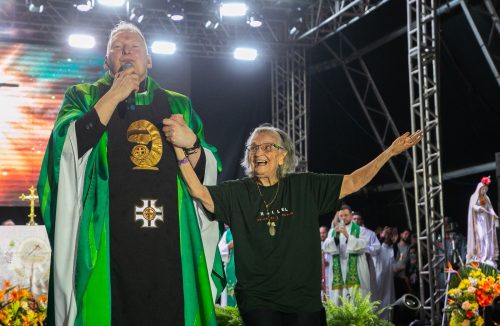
(175, 10)
(254, 19)
(81, 41)
(406, 307)
(233, 9)
(36, 5)
(163, 47)
(84, 5)
(135, 12)
(111, 3)
(246, 54)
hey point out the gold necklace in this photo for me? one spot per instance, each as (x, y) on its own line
(270, 224)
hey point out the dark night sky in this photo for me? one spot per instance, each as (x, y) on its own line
(341, 139)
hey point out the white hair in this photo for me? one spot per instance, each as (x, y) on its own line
(285, 143)
(125, 27)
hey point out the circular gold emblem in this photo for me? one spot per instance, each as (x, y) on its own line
(149, 213)
(140, 152)
(148, 146)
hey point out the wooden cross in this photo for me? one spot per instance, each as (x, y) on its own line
(32, 197)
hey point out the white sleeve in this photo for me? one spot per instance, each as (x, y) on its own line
(224, 249)
(329, 246)
(356, 245)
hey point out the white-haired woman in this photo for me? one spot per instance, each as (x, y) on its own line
(273, 214)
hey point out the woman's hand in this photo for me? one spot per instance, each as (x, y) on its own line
(177, 132)
(405, 141)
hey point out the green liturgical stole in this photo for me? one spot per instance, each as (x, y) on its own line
(352, 278)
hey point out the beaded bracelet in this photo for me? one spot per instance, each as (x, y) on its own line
(194, 149)
(183, 161)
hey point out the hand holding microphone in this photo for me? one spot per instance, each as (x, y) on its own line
(125, 83)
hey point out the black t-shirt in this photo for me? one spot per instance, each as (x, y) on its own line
(280, 272)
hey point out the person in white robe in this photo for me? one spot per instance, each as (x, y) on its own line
(326, 263)
(349, 265)
(372, 251)
(384, 274)
(482, 245)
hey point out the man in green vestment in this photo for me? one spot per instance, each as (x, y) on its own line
(347, 246)
(129, 245)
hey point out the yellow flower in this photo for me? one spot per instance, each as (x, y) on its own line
(479, 321)
(464, 284)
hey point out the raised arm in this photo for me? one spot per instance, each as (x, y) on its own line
(175, 130)
(359, 178)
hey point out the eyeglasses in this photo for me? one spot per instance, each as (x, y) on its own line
(266, 147)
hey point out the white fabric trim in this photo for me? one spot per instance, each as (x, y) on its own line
(209, 229)
(68, 212)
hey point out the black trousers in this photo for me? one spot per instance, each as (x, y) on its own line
(268, 317)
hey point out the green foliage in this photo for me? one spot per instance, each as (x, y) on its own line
(358, 311)
(228, 316)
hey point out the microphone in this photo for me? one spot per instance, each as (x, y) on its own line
(130, 101)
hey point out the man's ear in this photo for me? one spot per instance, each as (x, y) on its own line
(150, 62)
(106, 62)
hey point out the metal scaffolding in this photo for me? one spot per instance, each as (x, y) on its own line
(424, 106)
(375, 110)
(486, 46)
(290, 100)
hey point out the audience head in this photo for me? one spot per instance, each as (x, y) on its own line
(323, 232)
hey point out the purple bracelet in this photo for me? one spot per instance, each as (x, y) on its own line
(183, 161)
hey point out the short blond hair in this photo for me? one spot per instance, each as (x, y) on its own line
(125, 27)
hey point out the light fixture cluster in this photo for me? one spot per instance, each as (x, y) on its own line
(36, 5)
(296, 22)
(84, 41)
(174, 10)
(228, 9)
(135, 12)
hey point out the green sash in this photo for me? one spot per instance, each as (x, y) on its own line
(352, 278)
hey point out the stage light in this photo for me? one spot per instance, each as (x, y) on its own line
(175, 10)
(233, 9)
(135, 12)
(81, 41)
(247, 54)
(213, 21)
(36, 5)
(111, 3)
(163, 47)
(84, 5)
(254, 19)
(407, 305)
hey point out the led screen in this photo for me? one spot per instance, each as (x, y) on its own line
(33, 79)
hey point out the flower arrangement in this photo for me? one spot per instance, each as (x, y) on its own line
(473, 287)
(19, 306)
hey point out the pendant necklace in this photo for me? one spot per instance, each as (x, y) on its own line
(270, 224)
